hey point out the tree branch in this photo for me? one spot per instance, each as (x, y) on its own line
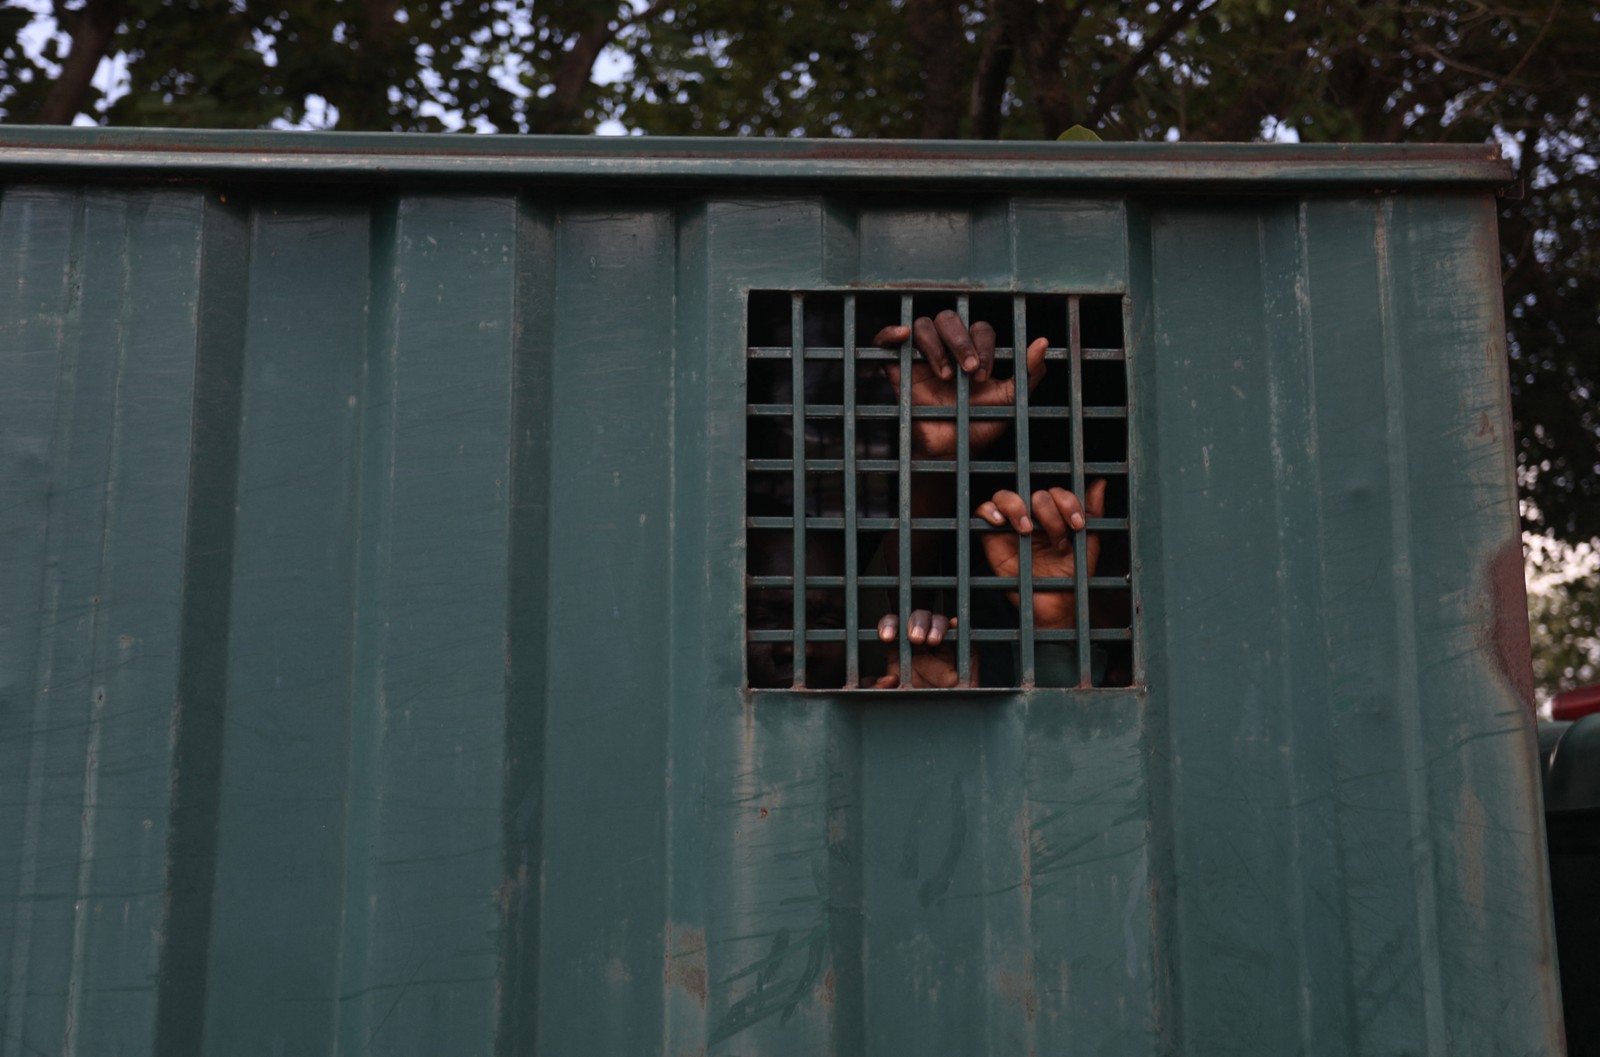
(572, 75)
(91, 31)
(989, 80)
(1516, 71)
(1181, 16)
(935, 30)
(1042, 46)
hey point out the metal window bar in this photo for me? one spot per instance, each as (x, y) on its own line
(934, 465)
(963, 516)
(1080, 540)
(891, 524)
(978, 634)
(904, 506)
(871, 353)
(852, 615)
(1135, 660)
(1042, 583)
(837, 411)
(1019, 342)
(803, 471)
(797, 405)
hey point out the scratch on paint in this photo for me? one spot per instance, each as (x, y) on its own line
(772, 993)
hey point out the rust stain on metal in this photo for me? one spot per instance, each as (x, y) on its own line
(510, 888)
(1017, 988)
(1025, 838)
(1509, 626)
(828, 993)
(685, 966)
(1469, 845)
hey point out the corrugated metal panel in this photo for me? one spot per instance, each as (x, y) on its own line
(371, 565)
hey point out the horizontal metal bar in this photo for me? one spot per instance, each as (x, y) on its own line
(1040, 583)
(889, 411)
(740, 162)
(887, 524)
(930, 466)
(871, 635)
(978, 635)
(873, 354)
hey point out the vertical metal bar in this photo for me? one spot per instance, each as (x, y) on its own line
(1019, 366)
(905, 493)
(852, 616)
(963, 515)
(1130, 442)
(1080, 541)
(797, 407)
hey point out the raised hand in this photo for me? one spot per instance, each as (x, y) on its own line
(947, 345)
(933, 661)
(1059, 513)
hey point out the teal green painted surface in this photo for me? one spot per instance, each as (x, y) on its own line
(370, 646)
(1570, 784)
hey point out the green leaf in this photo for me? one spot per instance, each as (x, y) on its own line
(1078, 134)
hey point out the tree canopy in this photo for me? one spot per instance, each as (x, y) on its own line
(1316, 70)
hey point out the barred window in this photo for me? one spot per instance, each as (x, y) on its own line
(873, 487)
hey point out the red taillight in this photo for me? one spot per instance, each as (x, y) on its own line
(1575, 704)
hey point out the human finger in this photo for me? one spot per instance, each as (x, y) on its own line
(938, 626)
(1095, 498)
(917, 626)
(1010, 507)
(888, 627)
(1000, 548)
(1071, 510)
(1051, 517)
(983, 341)
(1006, 392)
(931, 346)
(1034, 358)
(891, 336)
(957, 339)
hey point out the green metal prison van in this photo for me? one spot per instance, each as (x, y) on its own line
(441, 583)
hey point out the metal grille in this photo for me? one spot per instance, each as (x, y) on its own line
(847, 496)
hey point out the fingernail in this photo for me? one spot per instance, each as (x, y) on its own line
(1025, 525)
(945, 373)
(1077, 521)
(971, 363)
(996, 518)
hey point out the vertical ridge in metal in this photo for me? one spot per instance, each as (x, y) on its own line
(797, 407)
(963, 514)
(1080, 540)
(1019, 375)
(905, 494)
(852, 615)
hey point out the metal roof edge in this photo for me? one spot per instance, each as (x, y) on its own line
(368, 157)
